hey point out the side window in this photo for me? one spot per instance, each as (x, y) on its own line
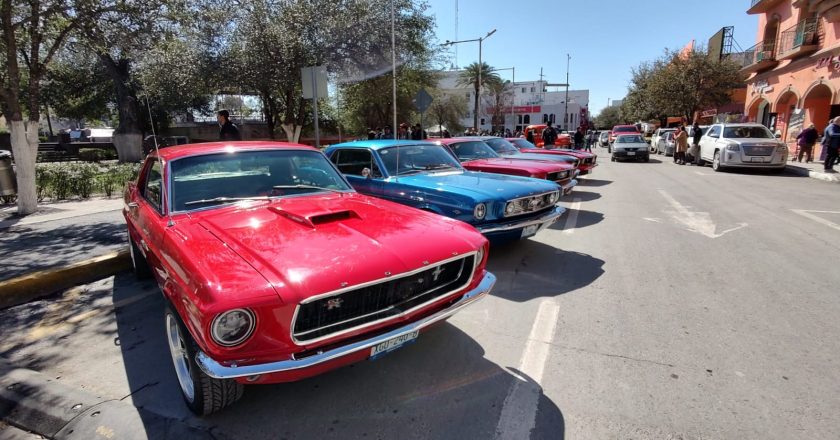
(352, 162)
(714, 132)
(152, 189)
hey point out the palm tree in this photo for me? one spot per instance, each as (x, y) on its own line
(470, 76)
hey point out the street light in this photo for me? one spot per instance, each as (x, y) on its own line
(512, 102)
(480, 41)
(566, 101)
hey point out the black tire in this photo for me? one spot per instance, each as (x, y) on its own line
(612, 158)
(139, 265)
(647, 158)
(716, 162)
(209, 395)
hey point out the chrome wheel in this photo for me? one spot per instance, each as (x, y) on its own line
(716, 161)
(180, 357)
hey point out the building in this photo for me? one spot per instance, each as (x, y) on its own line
(533, 103)
(794, 65)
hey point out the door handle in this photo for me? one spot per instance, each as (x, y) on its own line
(132, 205)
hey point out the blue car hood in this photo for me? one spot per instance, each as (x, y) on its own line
(480, 186)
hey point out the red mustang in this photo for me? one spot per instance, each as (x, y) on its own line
(273, 269)
(587, 160)
(476, 155)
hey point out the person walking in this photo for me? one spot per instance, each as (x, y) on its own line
(549, 136)
(387, 133)
(590, 139)
(530, 136)
(694, 151)
(579, 139)
(227, 129)
(831, 142)
(806, 140)
(681, 141)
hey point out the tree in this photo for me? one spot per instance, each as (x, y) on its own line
(77, 87)
(499, 98)
(609, 118)
(447, 110)
(471, 75)
(640, 104)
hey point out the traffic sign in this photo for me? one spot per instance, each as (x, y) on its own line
(422, 100)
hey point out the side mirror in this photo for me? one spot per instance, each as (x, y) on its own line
(778, 135)
(366, 173)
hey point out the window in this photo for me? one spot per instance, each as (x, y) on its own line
(545, 118)
(518, 119)
(714, 131)
(353, 161)
(551, 118)
(523, 90)
(532, 89)
(482, 121)
(152, 187)
(527, 119)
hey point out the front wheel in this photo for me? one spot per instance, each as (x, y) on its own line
(716, 162)
(203, 394)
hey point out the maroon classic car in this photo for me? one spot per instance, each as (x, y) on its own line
(274, 269)
(587, 160)
(476, 155)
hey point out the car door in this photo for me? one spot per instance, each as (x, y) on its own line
(146, 212)
(708, 141)
(361, 169)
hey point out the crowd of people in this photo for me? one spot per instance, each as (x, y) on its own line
(806, 140)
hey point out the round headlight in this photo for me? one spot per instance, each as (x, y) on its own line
(555, 196)
(480, 211)
(510, 208)
(479, 256)
(232, 327)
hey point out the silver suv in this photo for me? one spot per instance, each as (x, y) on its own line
(744, 146)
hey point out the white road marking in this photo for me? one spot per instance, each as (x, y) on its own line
(655, 220)
(700, 173)
(519, 412)
(571, 220)
(700, 222)
(808, 214)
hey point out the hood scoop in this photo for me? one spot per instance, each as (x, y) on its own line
(316, 218)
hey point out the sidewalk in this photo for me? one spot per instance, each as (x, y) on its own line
(814, 170)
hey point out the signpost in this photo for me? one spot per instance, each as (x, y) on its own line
(314, 85)
(422, 100)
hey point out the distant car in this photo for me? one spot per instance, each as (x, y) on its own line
(748, 145)
(475, 155)
(510, 147)
(630, 146)
(101, 135)
(604, 138)
(657, 135)
(563, 138)
(665, 145)
(587, 160)
(426, 176)
(622, 129)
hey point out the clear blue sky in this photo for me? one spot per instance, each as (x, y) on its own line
(605, 38)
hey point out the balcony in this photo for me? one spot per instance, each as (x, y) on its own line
(762, 6)
(760, 57)
(800, 39)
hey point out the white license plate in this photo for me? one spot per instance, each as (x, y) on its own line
(757, 159)
(631, 153)
(393, 344)
(528, 231)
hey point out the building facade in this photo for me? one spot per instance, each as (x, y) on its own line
(794, 65)
(533, 103)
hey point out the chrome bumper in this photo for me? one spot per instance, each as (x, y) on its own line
(219, 371)
(545, 219)
(567, 188)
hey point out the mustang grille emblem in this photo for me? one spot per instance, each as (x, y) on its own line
(437, 272)
(334, 303)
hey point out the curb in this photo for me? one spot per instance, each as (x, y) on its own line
(33, 285)
(825, 177)
(30, 400)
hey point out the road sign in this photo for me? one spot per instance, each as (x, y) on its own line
(316, 75)
(422, 100)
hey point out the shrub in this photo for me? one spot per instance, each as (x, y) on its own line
(96, 154)
(61, 181)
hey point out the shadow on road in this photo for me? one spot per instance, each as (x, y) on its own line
(582, 196)
(593, 182)
(529, 269)
(584, 218)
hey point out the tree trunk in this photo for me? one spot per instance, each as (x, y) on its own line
(269, 112)
(128, 137)
(475, 114)
(24, 139)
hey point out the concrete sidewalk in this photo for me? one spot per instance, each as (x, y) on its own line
(58, 211)
(814, 170)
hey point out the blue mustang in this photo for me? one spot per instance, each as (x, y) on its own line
(424, 175)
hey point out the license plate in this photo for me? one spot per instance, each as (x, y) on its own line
(631, 153)
(528, 231)
(392, 344)
(757, 159)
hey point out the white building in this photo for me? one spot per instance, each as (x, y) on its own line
(533, 103)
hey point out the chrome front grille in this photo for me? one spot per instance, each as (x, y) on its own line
(527, 205)
(557, 176)
(331, 314)
(759, 150)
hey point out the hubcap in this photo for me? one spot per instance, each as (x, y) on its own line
(717, 161)
(180, 359)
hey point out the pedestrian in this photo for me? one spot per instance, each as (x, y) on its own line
(831, 142)
(387, 133)
(590, 139)
(806, 140)
(694, 151)
(579, 139)
(228, 130)
(371, 134)
(681, 145)
(530, 136)
(548, 136)
(446, 134)
(418, 134)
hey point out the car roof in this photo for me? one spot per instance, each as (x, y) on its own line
(377, 144)
(175, 152)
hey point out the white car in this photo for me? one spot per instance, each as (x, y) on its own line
(630, 146)
(742, 146)
(657, 135)
(604, 138)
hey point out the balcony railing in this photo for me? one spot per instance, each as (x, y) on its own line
(799, 38)
(762, 6)
(758, 56)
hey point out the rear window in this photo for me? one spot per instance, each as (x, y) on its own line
(629, 129)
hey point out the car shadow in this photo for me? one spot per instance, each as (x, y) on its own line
(441, 386)
(528, 269)
(592, 182)
(582, 196)
(584, 218)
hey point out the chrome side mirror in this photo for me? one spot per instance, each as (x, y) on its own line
(366, 173)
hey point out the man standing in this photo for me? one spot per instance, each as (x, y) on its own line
(681, 145)
(831, 142)
(806, 140)
(579, 139)
(548, 136)
(228, 130)
(696, 133)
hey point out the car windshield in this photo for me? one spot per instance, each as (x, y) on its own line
(213, 179)
(629, 139)
(624, 129)
(411, 159)
(523, 143)
(747, 132)
(503, 146)
(472, 150)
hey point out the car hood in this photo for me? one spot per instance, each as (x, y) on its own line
(756, 141)
(553, 158)
(481, 187)
(514, 164)
(310, 245)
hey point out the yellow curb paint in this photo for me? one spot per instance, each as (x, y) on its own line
(42, 283)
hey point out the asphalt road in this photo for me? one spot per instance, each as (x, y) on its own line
(670, 302)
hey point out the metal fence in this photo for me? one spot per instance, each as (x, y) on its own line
(804, 33)
(763, 51)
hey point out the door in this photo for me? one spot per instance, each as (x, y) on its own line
(708, 141)
(360, 168)
(146, 213)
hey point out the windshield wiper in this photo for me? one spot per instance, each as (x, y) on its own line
(225, 200)
(305, 187)
(440, 166)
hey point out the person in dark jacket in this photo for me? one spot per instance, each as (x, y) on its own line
(831, 142)
(806, 140)
(694, 151)
(417, 133)
(579, 139)
(228, 130)
(548, 136)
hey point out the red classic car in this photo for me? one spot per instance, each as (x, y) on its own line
(274, 269)
(475, 155)
(587, 160)
(535, 131)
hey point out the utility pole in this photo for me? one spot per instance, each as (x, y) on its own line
(566, 101)
(394, 67)
(480, 65)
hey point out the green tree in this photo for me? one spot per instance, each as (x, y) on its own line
(471, 75)
(447, 110)
(639, 103)
(498, 99)
(609, 118)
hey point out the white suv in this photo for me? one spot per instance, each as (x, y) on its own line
(742, 145)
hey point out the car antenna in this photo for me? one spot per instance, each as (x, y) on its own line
(171, 222)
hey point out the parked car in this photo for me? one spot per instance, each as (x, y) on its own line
(475, 155)
(273, 269)
(509, 147)
(657, 135)
(425, 175)
(563, 138)
(622, 129)
(665, 145)
(604, 139)
(630, 146)
(747, 145)
(588, 161)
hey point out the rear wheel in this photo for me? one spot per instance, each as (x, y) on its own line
(202, 393)
(138, 262)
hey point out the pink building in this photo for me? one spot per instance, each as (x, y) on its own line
(794, 66)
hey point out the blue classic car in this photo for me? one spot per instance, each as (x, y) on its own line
(426, 176)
